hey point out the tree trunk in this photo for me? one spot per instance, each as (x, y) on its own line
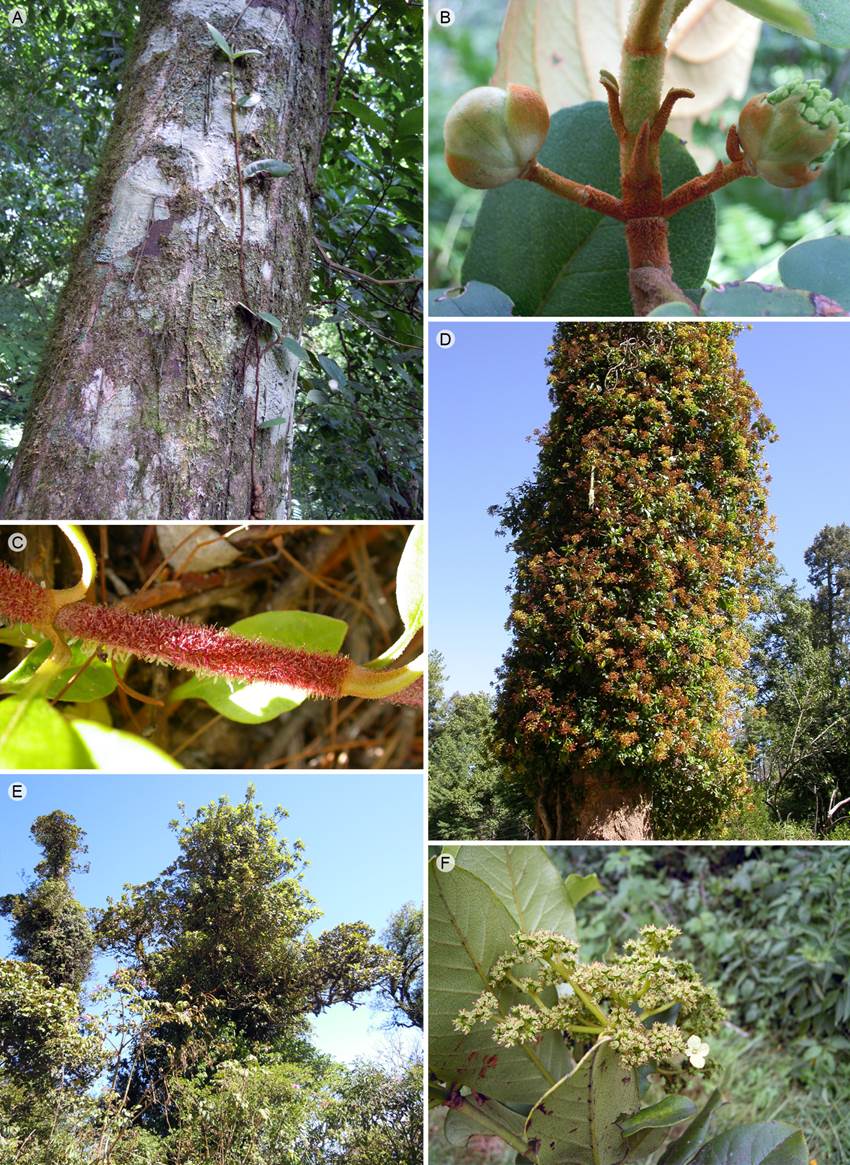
(145, 403)
(596, 806)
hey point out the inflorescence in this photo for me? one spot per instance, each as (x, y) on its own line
(621, 1000)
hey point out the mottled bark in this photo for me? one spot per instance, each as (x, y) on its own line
(144, 405)
(596, 806)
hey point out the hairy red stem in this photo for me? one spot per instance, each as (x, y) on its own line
(198, 648)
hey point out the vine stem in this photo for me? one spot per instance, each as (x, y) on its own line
(239, 181)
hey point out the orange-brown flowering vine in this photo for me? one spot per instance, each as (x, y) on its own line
(637, 545)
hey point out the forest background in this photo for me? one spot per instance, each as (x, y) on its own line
(230, 1010)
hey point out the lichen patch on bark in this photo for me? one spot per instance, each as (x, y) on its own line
(135, 202)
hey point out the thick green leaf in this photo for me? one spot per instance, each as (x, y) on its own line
(247, 53)
(675, 310)
(469, 928)
(113, 751)
(827, 21)
(578, 886)
(292, 345)
(663, 1115)
(219, 39)
(475, 299)
(740, 300)
(771, 1143)
(575, 1123)
(256, 703)
(409, 595)
(33, 735)
(822, 265)
(525, 880)
(553, 257)
(274, 323)
(271, 166)
(249, 102)
(97, 681)
(683, 1150)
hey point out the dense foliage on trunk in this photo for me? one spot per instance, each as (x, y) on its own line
(637, 543)
(49, 926)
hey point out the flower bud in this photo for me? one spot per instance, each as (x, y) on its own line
(789, 134)
(492, 134)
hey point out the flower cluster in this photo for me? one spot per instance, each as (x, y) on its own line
(621, 1000)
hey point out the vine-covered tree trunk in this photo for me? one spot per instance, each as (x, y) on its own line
(637, 545)
(154, 378)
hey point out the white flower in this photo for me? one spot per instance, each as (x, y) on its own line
(697, 1050)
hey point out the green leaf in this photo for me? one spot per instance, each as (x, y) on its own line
(331, 369)
(363, 112)
(475, 299)
(220, 40)
(249, 102)
(526, 882)
(33, 735)
(97, 681)
(676, 310)
(317, 397)
(459, 1125)
(113, 751)
(578, 886)
(256, 703)
(683, 1150)
(271, 166)
(469, 928)
(409, 594)
(274, 323)
(410, 122)
(822, 265)
(273, 422)
(771, 1143)
(247, 53)
(667, 1112)
(739, 300)
(292, 345)
(553, 257)
(827, 21)
(575, 1123)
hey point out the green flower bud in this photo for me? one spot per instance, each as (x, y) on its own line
(789, 134)
(492, 135)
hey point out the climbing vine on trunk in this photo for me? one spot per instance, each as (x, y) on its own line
(637, 544)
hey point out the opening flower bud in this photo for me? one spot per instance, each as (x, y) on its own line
(492, 135)
(789, 134)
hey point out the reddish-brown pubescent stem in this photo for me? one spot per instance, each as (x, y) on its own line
(578, 192)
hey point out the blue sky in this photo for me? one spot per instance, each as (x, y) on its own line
(362, 833)
(488, 393)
